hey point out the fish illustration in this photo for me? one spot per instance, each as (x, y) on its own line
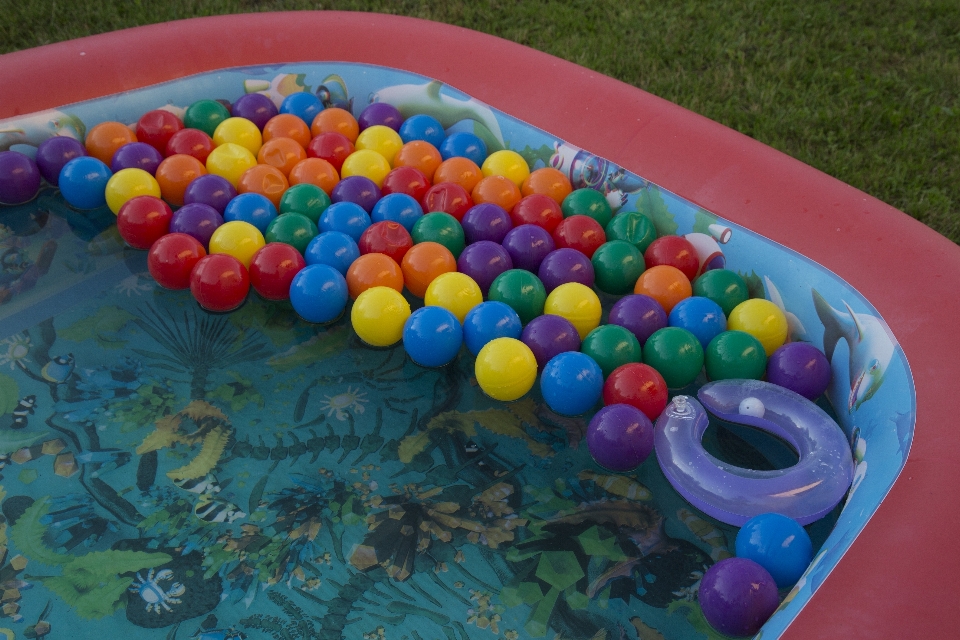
(40, 126)
(279, 88)
(618, 485)
(413, 99)
(217, 510)
(333, 93)
(208, 484)
(706, 533)
(59, 369)
(24, 408)
(795, 327)
(871, 347)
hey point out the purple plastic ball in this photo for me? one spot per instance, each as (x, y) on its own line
(255, 107)
(620, 437)
(640, 314)
(800, 367)
(212, 190)
(737, 596)
(528, 245)
(486, 221)
(136, 155)
(565, 265)
(19, 178)
(380, 113)
(55, 152)
(548, 336)
(484, 261)
(198, 220)
(358, 190)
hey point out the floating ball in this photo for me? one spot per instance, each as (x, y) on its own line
(334, 148)
(484, 261)
(266, 180)
(508, 164)
(505, 369)
(498, 190)
(724, 287)
(205, 115)
(632, 227)
(287, 125)
(127, 184)
(638, 385)
(578, 304)
(778, 544)
(253, 208)
(486, 222)
(83, 182)
(641, 314)
(212, 190)
(332, 248)
(143, 220)
(549, 182)
(255, 107)
(441, 228)
(752, 407)
(302, 104)
(737, 596)
(461, 171)
(104, 139)
(345, 217)
(456, 292)
(219, 283)
(239, 239)
(239, 131)
(449, 198)
(676, 354)
(548, 336)
(387, 237)
(373, 270)
(281, 153)
(734, 354)
(537, 209)
(359, 190)
(336, 120)
(611, 346)
(397, 207)
(665, 284)
(378, 316)
(763, 320)
(528, 245)
(197, 220)
(175, 174)
(308, 199)
(156, 127)
(488, 321)
(366, 163)
(408, 180)
(521, 291)
(19, 178)
(315, 171)
(463, 144)
(675, 251)
(318, 293)
(587, 202)
(230, 161)
(53, 153)
(190, 142)
(564, 265)
(419, 155)
(422, 127)
(273, 268)
(571, 383)
(136, 155)
(617, 265)
(620, 437)
(423, 263)
(582, 233)
(172, 258)
(700, 316)
(380, 139)
(432, 336)
(800, 367)
(294, 229)
(380, 113)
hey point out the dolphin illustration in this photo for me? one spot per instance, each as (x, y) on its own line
(796, 327)
(871, 347)
(412, 99)
(40, 126)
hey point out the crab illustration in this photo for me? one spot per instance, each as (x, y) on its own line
(153, 594)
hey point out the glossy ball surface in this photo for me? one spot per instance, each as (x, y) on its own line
(632, 227)
(441, 228)
(778, 544)
(564, 265)
(308, 199)
(212, 190)
(104, 139)
(83, 181)
(700, 316)
(359, 190)
(488, 321)
(302, 104)
(156, 127)
(19, 178)
(230, 161)
(381, 139)
(665, 284)
(423, 263)
(537, 209)
(397, 207)
(55, 152)
(143, 220)
(641, 314)
(548, 336)
(373, 270)
(175, 174)
(456, 292)
(332, 147)
(762, 319)
(380, 113)
(587, 202)
(172, 258)
(432, 336)
(255, 107)
(136, 155)
(578, 304)
(549, 182)
(528, 245)
(422, 127)
(273, 268)
(293, 229)
(418, 155)
(676, 354)
(462, 144)
(205, 115)
(239, 131)
(611, 346)
(282, 154)
(734, 355)
(219, 283)
(582, 233)
(408, 180)
(800, 367)
(737, 596)
(638, 385)
(505, 369)
(486, 222)
(239, 239)
(461, 171)
(378, 316)
(266, 180)
(571, 383)
(345, 217)
(387, 237)
(483, 261)
(253, 208)
(318, 293)
(335, 120)
(332, 248)
(508, 164)
(724, 287)
(522, 291)
(675, 251)
(366, 163)
(287, 125)
(447, 197)
(197, 220)
(190, 142)
(317, 172)
(617, 265)
(620, 437)
(498, 190)
(127, 184)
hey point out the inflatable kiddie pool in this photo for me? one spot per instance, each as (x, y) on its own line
(435, 511)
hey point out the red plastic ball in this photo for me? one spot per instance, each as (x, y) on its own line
(674, 251)
(172, 259)
(408, 180)
(219, 282)
(157, 127)
(638, 385)
(386, 237)
(273, 268)
(191, 142)
(143, 220)
(332, 147)
(582, 233)
(448, 197)
(537, 209)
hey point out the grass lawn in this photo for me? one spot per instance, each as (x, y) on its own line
(866, 90)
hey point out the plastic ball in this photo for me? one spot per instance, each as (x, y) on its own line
(380, 139)
(305, 198)
(19, 178)
(238, 239)
(273, 268)
(254, 208)
(709, 254)
(737, 596)
(172, 258)
(752, 407)
(205, 115)
(380, 113)
(700, 316)
(373, 270)
(676, 354)
(335, 120)
(143, 220)
(432, 336)
(763, 320)
(418, 155)
(505, 369)
(665, 284)
(53, 153)
(332, 248)
(641, 314)
(564, 265)
(83, 182)
(332, 147)
(617, 265)
(318, 293)
(408, 180)
(346, 217)
(386, 237)
(498, 190)
(230, 161)
(587, 202)
(281, 153)
(190, 142)
(302, 104)
(127, 184)
(484, 261)
(209, 189)
(778, 544)
(800, 367)
(197, 220)
(378, 316)
(356, 189)
(724, 287)
(620, 437)
(537, 209)
(255, 107)
(528, 245)
(239, 131)
(508, 164)
(521, 291)
(266, 180)
(486, 222)
(219, 283)
(462, 144)
(488, 321)
(734, 355)
(675, 251)
(455, 292)
(287, 125)
(422, 127)
(549, 182)
(632, 227)
(447, 197)
(317, 172)
(638, 385)
(104, 139)
(136, 155)
(461, 171)
(366, 163)
(156, 127)
(548, 336)
(397, 207)
(611, 346)
(294, 229)
(175, 174)
(441, 228)
(582, 233)
(423, 263)
(578, 304)
(571, 383)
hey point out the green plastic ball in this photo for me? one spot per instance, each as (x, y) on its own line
(294, 229)
(441, 228)
(635, 228)
(611, 346)
(205, 115)
(587, 202)
(676, 354)
(617, 265)
(305, 198)
(522, 291)
(735, 354)
(723, 286)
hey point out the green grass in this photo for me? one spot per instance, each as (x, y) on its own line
(866, 91)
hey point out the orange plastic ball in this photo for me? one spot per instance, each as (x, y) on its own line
(499, 190)
(265, 180)
(419, 155)
(373, 270)
(315, 171)
(665, 284)
(338, 121)
(104, 139)
(175, 173)
(282, 153)
(423, 262)
(287, 125)
(549, 182)
(461, 171)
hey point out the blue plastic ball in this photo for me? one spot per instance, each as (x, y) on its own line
(467, 145)
(432, 336)
(318, 293)
(700, 316)
(397, 207)
(254, 208)
(345, 217)
(778, 544)
(332, 248)
(422, 127)
(488, 321)
(571, 383)
(304, 105)
(83, 182)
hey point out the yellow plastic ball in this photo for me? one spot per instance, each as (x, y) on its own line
(454, 291)
(239, 131)
(578, 304)
(378, 316)
(508, 164)
(230, 161)
(237, 238)
(366, 163)
(129, 183)
(381, 139)
(763, 320)
(506, 369)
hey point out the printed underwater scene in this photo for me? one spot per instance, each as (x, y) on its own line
(171, 473)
